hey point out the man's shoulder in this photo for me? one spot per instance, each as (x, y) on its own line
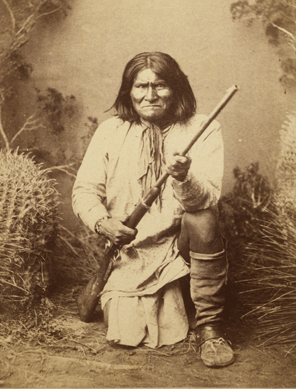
(191, 127)
(110, 129)
(112, 123)
(110, 133)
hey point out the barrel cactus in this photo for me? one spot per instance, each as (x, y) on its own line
(28, 223)
(286, 164)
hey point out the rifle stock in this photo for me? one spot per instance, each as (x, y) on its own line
(89, 297)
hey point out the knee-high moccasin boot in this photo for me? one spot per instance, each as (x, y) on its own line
(208, 277)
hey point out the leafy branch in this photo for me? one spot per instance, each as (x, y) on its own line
(279, 20)
(22, 19)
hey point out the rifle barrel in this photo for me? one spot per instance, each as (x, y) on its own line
(229, 93)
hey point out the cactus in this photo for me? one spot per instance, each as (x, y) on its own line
(28, 223)
(285, 171)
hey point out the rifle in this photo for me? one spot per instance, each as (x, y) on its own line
(90, 295)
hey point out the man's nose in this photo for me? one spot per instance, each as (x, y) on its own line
(151, 94)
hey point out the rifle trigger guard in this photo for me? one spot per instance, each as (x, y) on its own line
(144, 204)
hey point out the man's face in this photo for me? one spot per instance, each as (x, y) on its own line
(151, 96)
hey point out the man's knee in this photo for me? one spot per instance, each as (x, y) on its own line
(203, 223)
(202, 230)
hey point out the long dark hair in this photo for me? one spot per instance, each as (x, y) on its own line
(184, 104)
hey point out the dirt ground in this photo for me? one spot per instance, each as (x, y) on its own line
(54, 349)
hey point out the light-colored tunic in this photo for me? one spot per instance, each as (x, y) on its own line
(108, 184)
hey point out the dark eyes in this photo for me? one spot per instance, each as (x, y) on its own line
(156, 86)
(161, 86)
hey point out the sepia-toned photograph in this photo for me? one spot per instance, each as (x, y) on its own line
(147, 194)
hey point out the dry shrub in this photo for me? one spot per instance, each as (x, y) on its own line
(28, 222)
(270, 278)
(244, 208)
